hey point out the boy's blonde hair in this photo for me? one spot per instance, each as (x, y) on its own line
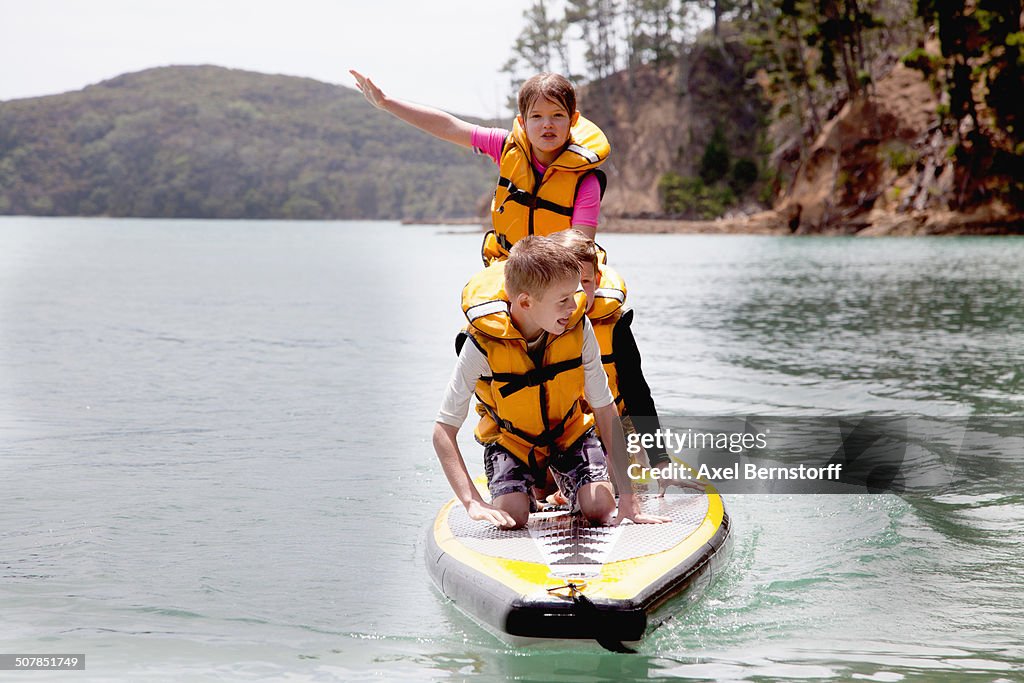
(581, 246)
(551, 86)
(535, 263)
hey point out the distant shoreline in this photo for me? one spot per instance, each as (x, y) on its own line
(983, 221)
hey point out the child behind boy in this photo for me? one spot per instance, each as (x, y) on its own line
(606, 299)
(532, 345)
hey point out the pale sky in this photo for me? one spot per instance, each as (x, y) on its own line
(444, 53)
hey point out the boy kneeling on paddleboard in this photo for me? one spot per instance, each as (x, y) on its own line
(531, 359)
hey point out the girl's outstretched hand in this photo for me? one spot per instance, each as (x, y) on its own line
(370, 91)
(434, 121)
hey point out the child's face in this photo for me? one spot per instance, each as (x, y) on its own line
(547, 125)
(588, 280)
(553, 309)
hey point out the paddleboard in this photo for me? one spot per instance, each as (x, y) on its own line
(561, 578)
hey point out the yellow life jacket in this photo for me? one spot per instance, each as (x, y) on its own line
(609, 300)
(524, 204)
(527, 409)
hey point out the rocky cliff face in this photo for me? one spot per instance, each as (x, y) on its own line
(881, 165)
(876, 152)
(661, 117)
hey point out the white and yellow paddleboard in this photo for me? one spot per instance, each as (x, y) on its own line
(561, 578)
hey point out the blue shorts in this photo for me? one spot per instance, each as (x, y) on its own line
(584, 462)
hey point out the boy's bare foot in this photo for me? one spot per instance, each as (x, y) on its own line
(557, 498)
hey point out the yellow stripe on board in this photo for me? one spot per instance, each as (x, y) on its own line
(625, 579)
(522, 577)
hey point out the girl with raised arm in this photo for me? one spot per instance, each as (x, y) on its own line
(548, 163)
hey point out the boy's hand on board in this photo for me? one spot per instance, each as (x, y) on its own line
(485, 512)
(693, 484)
(629, 508)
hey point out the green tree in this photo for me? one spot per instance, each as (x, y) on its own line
(981, 45)
(690, 197)
(714, 163)
(651, 30)
(540, 46)
(743, 176)
(596, 21)
(839, 33)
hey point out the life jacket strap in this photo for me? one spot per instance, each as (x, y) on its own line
(503, 241)
(543, 440)
(529, 199)
(514, 381)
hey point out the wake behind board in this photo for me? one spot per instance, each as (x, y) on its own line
(561, 578)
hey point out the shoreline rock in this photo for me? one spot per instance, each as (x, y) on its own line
(991, 219)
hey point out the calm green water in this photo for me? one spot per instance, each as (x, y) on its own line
(214, 448)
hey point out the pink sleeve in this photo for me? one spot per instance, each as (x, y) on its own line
(489, 141)
(588, 202)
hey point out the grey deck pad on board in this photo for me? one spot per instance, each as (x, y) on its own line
(568, 545)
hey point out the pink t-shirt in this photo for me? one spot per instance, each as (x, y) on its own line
(587, 208)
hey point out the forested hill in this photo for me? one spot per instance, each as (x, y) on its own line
(210, 142)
